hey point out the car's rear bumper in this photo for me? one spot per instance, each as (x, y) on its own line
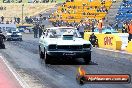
(65, 54)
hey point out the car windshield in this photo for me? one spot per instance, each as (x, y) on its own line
(57, 33)
(11, 29)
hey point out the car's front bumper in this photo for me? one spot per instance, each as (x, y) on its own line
(65, 54)
(14, 38)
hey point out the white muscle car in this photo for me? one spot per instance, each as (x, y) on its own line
(63, 42)
(13, 34)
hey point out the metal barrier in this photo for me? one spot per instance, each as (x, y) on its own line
(109, 41)
(129, 47)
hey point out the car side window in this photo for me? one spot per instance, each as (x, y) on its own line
(50, 33)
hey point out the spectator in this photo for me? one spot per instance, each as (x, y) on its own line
(93, 27)
(2, 39)
(116, 26)
(26, 19)
(123, 28)
(10, 21)
(43, 27)
(93, 39)
(100, 25)
(40, 30)
(35, 1)
(2, 18)
(18, 20)
(15, 19)
(35, 30)
(81, 29)
(130, 32)
(126, 27)
(30, 20)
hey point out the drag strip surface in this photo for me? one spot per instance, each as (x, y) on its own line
(8, 76)
(23, 56)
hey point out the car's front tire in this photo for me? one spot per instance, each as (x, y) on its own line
(41, 55)
(87, 58)
(2, 46)
(46, 57)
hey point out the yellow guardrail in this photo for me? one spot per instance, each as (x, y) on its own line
(24, 25)
(108, 41)
(129, 47)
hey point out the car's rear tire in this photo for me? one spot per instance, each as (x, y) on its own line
(87, 58)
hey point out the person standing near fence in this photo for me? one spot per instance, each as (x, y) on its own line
(40, 31)
(100, 25)
(130, 31)
(2, 19)
(81, 29)
(35, 30)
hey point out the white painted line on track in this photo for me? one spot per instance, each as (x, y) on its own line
(116, 51)
(16, 75)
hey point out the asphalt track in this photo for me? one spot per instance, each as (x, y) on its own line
(7, 79)
(24, 58)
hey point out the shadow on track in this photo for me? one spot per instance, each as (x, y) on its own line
(77, 61)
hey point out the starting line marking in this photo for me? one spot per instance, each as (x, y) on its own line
(116, 51)
(15, 74)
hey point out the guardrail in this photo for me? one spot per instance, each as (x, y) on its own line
(108, 41)
(129, 47)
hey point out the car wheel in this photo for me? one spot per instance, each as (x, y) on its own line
(41, 55)
(87, 58)
(2, 46)
(46, 57)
